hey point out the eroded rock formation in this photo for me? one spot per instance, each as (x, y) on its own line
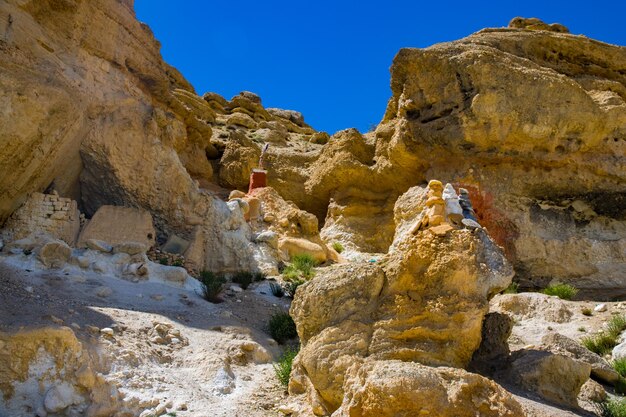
(423, 302)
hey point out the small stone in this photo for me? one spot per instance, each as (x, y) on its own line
(107, 331)
(29, 289)
(236, 288)
(56, 320)
(75, 326)
(104, 292)
(175, 340)
(471, 224)
(286, 409)
(93, 329)
(157, 297)
(600, 308)
(441, 230)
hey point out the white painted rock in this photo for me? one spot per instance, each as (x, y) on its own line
(600, 308)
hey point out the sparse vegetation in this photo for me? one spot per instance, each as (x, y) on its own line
(282, 327)
(212, 285)
(563, 291)
(586, 311)
(612, 408)
(163, 260)
(338, 247)
(604, 341)
(283, 366)
(277, 290)
(178, 262)
(259, 276)
(582, 329)
(513, 288)
(620, 366)
(300, 268)
(243, 278)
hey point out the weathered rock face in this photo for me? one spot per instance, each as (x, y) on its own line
(385, 388)
(50, 369)
(534, 121)
(423, 302)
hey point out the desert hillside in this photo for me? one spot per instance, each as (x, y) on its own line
(165, 251)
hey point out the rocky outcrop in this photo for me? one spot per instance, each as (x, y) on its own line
(557, 378)
(423, 302)
(529, 119)
(385, 388)
(50, 369)
(533, 123)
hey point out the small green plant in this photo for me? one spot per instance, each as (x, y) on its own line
(171, 414)
(282, 327)
(283, 366)
(290, 287)
(300, 268)
(563, 291)
(612, 408)
(277, 290)
(338, 247)
(586, 311)
(163, 260)
(178, 262)
(604, 341)
(620, 366)
(582, 329)
(211, 285)
(616, 325)
(243, 278)
(513, 288)
(600, 343)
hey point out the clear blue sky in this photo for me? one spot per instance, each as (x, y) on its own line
(330, 59)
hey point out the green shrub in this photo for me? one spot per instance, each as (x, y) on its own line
(563, 291)
(513, 288)
(620, 366)
(243, 278)
(283, 366)
(586, 311)
(300, 269)
(282, 327)
(178, 262)
(612, 408)
(616, 325)
(163, 260)
(600, 343)
(338, 247)
(604, 341)
(211, 285)
(277, 290)
(305, 264)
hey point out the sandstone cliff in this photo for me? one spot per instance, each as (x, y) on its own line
(531, 122)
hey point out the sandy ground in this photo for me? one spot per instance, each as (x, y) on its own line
(222, 365)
